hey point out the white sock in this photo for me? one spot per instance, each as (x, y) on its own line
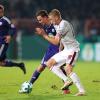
(56, 70)
(77, 82)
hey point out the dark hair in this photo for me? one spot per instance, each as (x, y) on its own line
(2, 7)
(42, 13)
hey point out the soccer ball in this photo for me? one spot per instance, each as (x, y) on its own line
(26, 87)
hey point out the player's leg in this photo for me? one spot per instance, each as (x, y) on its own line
(34, 77)
(75, 80)
(40, 68)
(54, 65)
(36, 74)
(28, 85)
(73, 75)
(67, 90)
(63, 69)
(7, 63)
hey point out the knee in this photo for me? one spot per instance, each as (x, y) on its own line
(50, 63)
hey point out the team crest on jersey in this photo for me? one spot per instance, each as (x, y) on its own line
(53, 30)
(0, 23)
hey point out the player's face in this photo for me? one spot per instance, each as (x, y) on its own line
(1, 12)
(53, 19)
(42, 20)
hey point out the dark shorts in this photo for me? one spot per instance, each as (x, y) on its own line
(49, 53)
(3, 50)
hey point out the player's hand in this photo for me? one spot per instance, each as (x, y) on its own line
(40, 31)
(7, 38)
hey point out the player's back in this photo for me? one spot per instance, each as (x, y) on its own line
(67, 33)
(4, 26)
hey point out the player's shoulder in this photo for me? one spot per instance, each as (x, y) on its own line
(64, 22)
(6, 19)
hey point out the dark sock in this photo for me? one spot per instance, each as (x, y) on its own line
(10, 64)
(34, 76)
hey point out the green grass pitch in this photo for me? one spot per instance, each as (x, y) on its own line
(12, 78)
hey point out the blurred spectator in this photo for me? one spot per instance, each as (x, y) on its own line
(92, 29)
(77, 11)
(76, 24)
(79, 8)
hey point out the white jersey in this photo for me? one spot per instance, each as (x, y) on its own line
(65, 30)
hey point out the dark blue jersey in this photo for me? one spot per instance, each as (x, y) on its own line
(50, 30)
(5, 27)
(52, 49)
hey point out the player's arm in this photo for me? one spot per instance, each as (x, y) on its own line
(61, 32)
(12, 31)
(54, 40)
(7, 38)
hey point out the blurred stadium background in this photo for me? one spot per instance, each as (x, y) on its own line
(83, 14)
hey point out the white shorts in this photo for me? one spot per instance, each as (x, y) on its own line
(66, 56)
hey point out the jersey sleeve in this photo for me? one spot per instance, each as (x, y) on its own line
(12, 29)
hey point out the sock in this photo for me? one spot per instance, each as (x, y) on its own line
(34, 76)
(56, 70)
(63, 70)
(77, 82)
(10, 64)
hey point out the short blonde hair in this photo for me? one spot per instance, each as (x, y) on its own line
(55, 12)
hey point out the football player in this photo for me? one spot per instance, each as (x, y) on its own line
(42, 18)
(5, 37)
(65, 35)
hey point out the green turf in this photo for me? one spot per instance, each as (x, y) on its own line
(12, 78)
